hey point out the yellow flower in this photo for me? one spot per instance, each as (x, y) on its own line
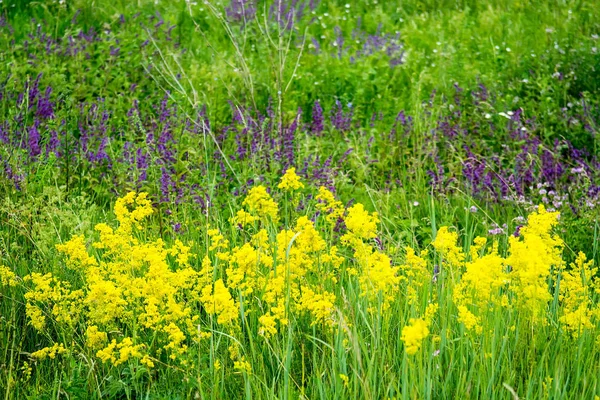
(268, 325)
(126, 218)
(470, 321)
(379, 277)
(7, 277)
(320, 305)
(243, 218)
(261, 203)
(242, 366)
(50, 352)
(78, 256)
(217, 240)
(176, 338)
(290, 181)
(147, 361)
(430, 311)
(576, 295)
(220, 302)
(445, 243)
(360, 223)
(119, 353)
(95, 339)
(415, 273)
(328, 205)
(344, 379)
(36, 317)
(532, 257)
(413, 335)
(309, 239)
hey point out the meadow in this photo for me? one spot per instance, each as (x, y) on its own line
(299, 199)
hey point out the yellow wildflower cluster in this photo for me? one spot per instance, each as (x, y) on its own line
(218, 301)
(7, 277)
(65, 303)
(414, 273)
(523, 278)
(260, 203)
(290, 181)
(418, 330)
(576, 291)
(49, 352)
(130, 284)
(532, 257)
(445, 244)
(361, 225)
(119, 353)
(378, 277)
(144, 300)
(328, 205)
(414, 334)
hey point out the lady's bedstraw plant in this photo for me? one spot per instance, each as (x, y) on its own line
(134, 299)
(520, 281)
(144, 301)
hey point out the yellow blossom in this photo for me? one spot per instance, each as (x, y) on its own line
(413, 335)
(344, 379)
(290, 181)
(7, 277)
(320, 305)
(49, 352)
(360, 223)
(470, 321)
(243, 218)
(242, 366)
(328, 205)
(95, 339)
(445, 243)
(219, 302)
(261, 203)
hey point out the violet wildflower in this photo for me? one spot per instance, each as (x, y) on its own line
(241, 10)
(33, 140)
(517, 231)
(496, 230)
(316, 126)
(342, 121)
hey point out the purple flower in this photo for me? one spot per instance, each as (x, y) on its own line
(316, 126)
(342, 121)
(241, 10)
(517, 231)
(33, 140)
(496, 230)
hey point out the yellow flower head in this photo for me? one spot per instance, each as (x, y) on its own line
(445, 243)
(49, 352)
(413, 335)
(142, 209)
(328, 205)
(261, 203)
(360, 223)
(290, 181)
(7, 277)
